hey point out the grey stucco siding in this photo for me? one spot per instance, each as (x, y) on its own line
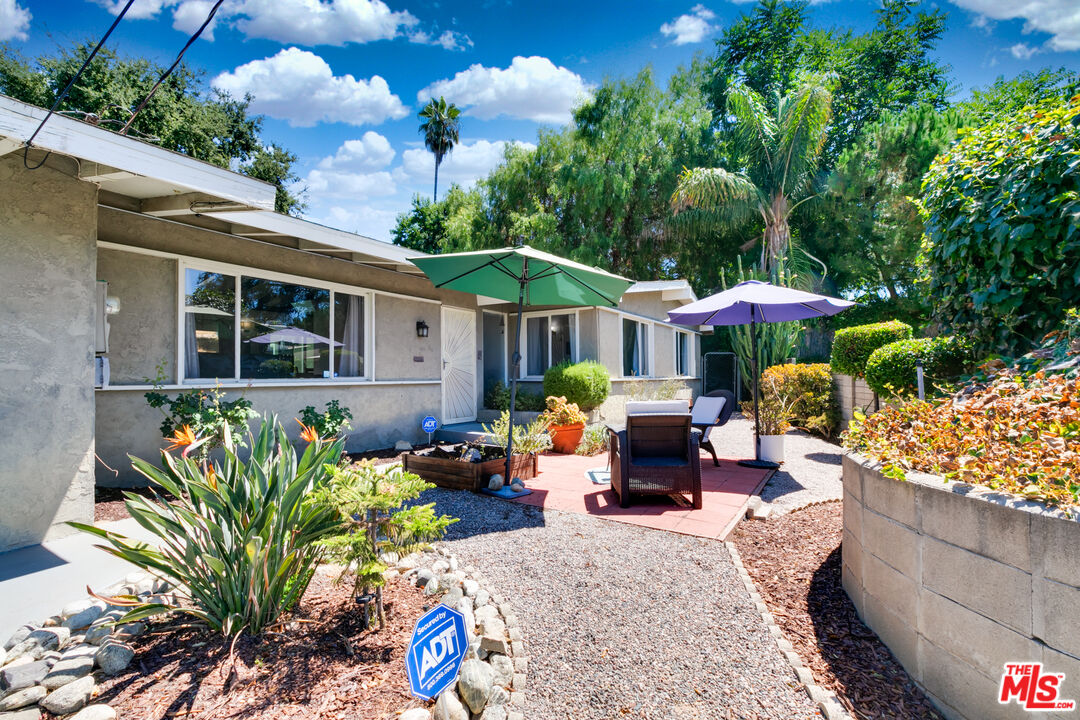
(47, 257)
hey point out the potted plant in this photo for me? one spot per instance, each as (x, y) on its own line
(776, 406)
(566, 424)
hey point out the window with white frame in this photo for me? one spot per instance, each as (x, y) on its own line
(248, 327)
(549, 340)
(683, 358)
(635, 348)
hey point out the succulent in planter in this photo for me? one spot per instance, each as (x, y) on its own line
(566, 423)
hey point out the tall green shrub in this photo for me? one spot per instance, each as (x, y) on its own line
(587, 383)
(891, 368)
(240, 539)
(1002, 251)
(853, 346)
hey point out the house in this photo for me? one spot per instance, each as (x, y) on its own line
(126, 267)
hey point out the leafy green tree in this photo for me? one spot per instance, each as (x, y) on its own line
(423, 228)
(1002, 251)
(776, 153)
(440, 128)
(869, 227)
(1027, 88)
(183, 115)
(889, 68)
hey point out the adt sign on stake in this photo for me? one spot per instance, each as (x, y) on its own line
(435, 652)
(429, 425)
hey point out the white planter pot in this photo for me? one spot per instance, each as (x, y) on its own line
(772, 447)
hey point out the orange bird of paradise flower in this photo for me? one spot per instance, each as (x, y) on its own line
(183, 437)
(307, 432)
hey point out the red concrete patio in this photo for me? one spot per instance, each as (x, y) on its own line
(563, 485)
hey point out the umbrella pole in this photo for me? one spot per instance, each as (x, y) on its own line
(516, 364)
(757, 462)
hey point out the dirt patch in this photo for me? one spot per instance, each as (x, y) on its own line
(795, 562)
(323, 664)
(109, 502)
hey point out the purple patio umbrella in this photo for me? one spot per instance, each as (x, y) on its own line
(752, 302)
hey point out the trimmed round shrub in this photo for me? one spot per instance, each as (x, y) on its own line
(853, 346)
(891, 369)
(587, 383)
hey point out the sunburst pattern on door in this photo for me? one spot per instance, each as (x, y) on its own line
(459, 365)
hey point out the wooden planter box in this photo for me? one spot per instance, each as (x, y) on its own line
(459, 475)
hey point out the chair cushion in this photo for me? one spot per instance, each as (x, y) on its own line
(660, 461)
(656, 407)
(707, 410)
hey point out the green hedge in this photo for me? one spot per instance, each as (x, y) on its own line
(891, 368)
(853, 346)
(586, 383)
(498, 398)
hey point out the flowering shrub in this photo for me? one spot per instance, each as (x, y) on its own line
(559, 412)
(852, 346)
(1018, 434)
(810, 388)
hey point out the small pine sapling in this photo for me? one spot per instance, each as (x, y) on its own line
(369, 504)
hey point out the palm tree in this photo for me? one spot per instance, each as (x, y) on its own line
(776, 154)
(440, 131)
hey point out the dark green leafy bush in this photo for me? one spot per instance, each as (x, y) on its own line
(205, 413)
(891, 369)
(330, 423)
(586, 384)
(853, 346)
(498, 398)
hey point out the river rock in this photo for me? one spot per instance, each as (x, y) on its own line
(84, 617)
(71, 666)
(129, 631)
(475, 683)
(21, 698)
(496, 482)
(449, 707)
(69, 698)
(494, 712)
(517, 485)
(423, 577)
(483, 597)
(502, 669)
(27, 713)
(485, 611)
(453, 597)
(431, 587)
(98, 632)
(95, 712)
(415, 714)
(439, 567)
(113, 657)
(23, 675)
(19, 635)
(499, 696)
(470, 587)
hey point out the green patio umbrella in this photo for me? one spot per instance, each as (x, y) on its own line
(530, 278)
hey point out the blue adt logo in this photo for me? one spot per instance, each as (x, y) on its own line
(430, 424)
(435, 652)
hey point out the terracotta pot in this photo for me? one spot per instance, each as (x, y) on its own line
(565, 438)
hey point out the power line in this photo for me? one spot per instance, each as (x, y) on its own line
(64, 92)
(191, 40)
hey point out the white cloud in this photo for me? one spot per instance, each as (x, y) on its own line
(1022, 51)
(690, 28)
(191, 14)
(299, 86)
(449, 40)
(1058, 18)
(320, 22)
(371, 152)
(335, 184)
(465, 165)
(140, 9)
(361, 218)
(14, 20)
(532, 88)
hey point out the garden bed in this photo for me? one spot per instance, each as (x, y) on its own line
(444, 467)
(324, 665)
(795, 562)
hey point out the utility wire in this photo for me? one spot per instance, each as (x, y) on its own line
(64, 92)
(191, 40)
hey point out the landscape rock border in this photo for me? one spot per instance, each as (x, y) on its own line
(826, 700)
(493, 677)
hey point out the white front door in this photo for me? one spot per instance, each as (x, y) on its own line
(458, 365)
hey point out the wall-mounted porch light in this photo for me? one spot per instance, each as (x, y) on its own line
(421, 329)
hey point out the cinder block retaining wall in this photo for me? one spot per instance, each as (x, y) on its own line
(958, 580)
(853, 394)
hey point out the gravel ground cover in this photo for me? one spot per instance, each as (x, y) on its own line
(622, 621)
(802, 589)
(810, 472)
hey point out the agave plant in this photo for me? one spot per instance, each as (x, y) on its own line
(241, 539)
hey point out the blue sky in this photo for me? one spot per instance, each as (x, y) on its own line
(341, 81)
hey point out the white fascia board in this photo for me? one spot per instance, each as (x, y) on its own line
(678, 294)
(72, 137)
(313, 232)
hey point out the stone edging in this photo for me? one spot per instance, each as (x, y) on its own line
(826, 700)
(53, 664)
(493, 676)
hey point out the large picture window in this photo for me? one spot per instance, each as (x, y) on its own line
(549, 340)
(635, 347)
(246, 327)
(683, 364)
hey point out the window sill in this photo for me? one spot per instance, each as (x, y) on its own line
(255, 384)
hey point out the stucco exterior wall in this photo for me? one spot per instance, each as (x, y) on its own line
(143, 334)
(47, 234)
(958, 580)
(399, 354)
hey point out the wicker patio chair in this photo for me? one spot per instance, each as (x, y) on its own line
(710, 411)
(656, 454)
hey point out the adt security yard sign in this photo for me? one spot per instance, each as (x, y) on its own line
(429, 425)
(435, 652)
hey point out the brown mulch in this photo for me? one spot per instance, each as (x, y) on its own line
(795, 562)
(322, 665)
(109, 502)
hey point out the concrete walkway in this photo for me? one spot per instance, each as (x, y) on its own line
(37, 581)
